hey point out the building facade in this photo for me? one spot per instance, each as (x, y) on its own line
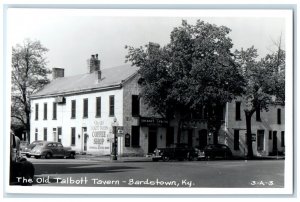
(81, 111)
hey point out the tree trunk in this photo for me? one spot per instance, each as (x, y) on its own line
(27, 127)
(179, 131)
(248, 115)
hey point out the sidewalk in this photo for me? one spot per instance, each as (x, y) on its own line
(110, 158)
(149, 158)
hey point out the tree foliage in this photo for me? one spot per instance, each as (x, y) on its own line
(29, 74)
(196, 68)
(265, 83)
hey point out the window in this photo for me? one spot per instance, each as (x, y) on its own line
(54, 110)
(135, 105)
(135, 132)
(260, 140)
(73, 138)
(98, 106)
(238, 111)
(258, 115)
(170, 136)
(36, 111)
(45, 134)
(236, 140)
(282, 139)
(85, 108)
(278, 116)
(73, 109)
(36, 134)
(59, 134)
(45, 111)
(112, 105)
(270, 135)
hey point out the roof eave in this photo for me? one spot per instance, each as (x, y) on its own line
(81, 91)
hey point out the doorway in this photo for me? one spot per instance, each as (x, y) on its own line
(275, 142)
(202, 138)
(152, 139)
(85, 137)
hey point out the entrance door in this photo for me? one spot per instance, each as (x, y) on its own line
(152, 140)
(274, 142)
(202, 138)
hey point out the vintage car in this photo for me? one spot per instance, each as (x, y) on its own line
(19, 167)
(212, 151)
(29, 147)
(47, 149)
(177, 152)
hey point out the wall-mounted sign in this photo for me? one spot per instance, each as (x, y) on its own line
(151, 121)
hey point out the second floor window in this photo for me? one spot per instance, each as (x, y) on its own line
(45, 111)
(135, 105)
(73, 109)
(85, 108)
(36, 111)
(98, 106)
(112, 105)
(54, 110)
(278, 116)
(238, 111)
(258, 115)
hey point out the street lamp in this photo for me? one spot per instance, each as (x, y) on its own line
(115, 146)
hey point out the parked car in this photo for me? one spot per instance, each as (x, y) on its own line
(177, 152)
(47, 149)
(29, 147)
(19, 167)
(212, 151)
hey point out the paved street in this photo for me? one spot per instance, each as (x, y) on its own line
(145, 173)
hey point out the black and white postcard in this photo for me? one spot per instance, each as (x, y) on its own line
(149, 101)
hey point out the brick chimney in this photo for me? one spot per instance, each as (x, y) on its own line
(58, 73)
(93, 64)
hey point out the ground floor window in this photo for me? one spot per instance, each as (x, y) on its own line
(270, 135)
(282, 139)
(236, 140)
(135, 133)
(73, 134)
(36, 134)
(260, 140)
(45, 134)
(59, 134)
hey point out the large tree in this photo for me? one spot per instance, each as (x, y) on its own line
(265, 84)
(29, 74)
(195, 69)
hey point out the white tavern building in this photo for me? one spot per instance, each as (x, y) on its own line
(80, 111)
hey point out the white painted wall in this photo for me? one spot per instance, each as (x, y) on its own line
(93, 123)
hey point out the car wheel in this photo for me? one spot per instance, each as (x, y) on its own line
(28, 156)
(72, 156)
(165, 158)
(37, 157)
(190, 157)
(48, 156)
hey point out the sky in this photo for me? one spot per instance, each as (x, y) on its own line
(72, 37)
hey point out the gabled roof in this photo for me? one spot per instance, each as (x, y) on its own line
(111, 77)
